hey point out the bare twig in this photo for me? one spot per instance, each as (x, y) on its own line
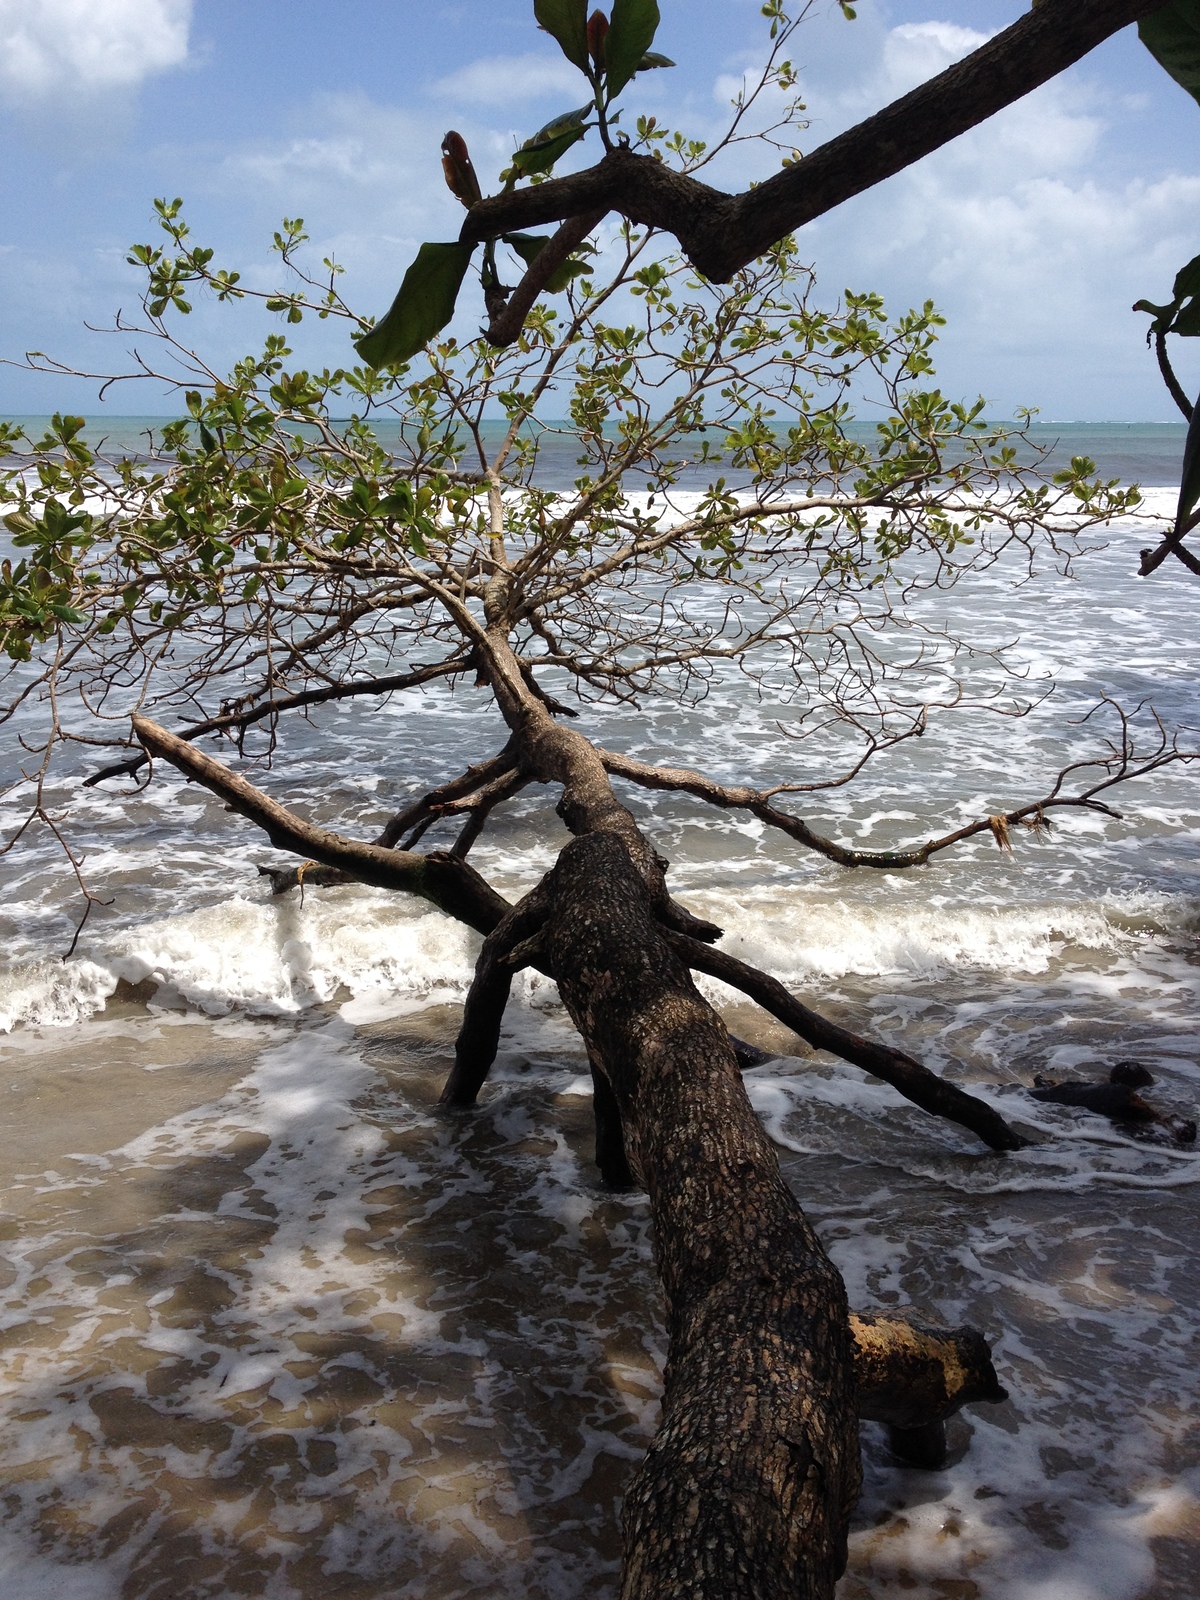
(276, 707)
(1122, 764)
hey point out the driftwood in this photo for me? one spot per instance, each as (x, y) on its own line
(1119, 1101)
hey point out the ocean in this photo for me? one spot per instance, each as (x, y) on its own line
(1148, 453)
(273, 1325)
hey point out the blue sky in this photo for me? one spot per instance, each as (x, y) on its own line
(1034, 234)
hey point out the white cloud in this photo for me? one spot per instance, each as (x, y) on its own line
(511, 81)
(918, 50)
(94, 45)
(1028, 244)
(1033, 233)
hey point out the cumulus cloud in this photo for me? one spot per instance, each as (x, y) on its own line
(93, 45)
(1033, 232)
(511, 81)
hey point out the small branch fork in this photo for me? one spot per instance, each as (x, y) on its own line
(475, 794)
(1172, 545)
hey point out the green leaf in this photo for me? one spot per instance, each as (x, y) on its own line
(1187, 322)
(539, 153)
(541, 158)
(566, 21)
(529, 247)
(1172, 37)
(653, 59)
(571, 269)
(423, 307)
(400, 503)
(1187, 280)
(634, 24)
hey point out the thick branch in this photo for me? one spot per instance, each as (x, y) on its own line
(416, 816)
(746, 1492)
(450, 884)
(505, 327)
(721, 233)
(1168, 375)
(1172, 545)
(914, 1082)
(759, 802)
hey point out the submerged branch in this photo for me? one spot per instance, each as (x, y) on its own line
(914, 1082)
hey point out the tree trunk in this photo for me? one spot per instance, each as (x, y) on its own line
(748, 1487)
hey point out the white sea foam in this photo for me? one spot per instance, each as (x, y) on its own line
(281, 956)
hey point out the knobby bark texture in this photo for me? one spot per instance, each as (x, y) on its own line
(721, 233)
(748, 1487)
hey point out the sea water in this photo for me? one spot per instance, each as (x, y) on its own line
(274, 1325)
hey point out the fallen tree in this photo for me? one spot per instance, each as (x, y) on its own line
(261, 560)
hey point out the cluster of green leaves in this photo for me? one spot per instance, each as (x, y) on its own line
(235, 506)
(258, 540)
(609, 54)
(38, 592)
(174, 272)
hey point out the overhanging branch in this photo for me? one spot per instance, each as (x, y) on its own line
(721, 233)
(1122, 765)
(241, 720)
